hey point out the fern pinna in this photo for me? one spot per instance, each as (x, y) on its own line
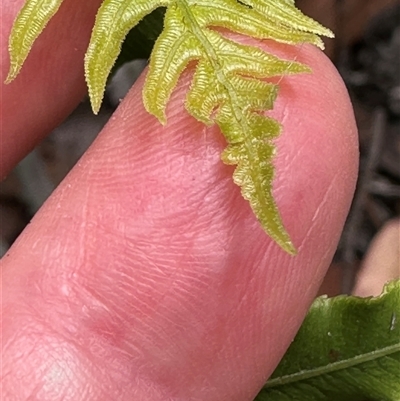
(228, 86)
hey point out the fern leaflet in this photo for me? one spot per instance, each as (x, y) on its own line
(228, 87)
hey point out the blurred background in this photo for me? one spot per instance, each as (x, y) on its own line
(367, 53)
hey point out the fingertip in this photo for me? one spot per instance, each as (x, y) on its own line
(150, 253)
(317, 158)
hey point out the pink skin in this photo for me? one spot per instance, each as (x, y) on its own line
(146, 276)
(51, 82)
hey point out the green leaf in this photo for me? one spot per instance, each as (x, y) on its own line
(228, 87)
(139, 42)
(30, 22)
(348, 349)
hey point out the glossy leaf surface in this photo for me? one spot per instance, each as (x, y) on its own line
(348, 349)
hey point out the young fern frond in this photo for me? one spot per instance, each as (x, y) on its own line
(228, 87)
(29, 24)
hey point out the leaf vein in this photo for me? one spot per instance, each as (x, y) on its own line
(333, 367)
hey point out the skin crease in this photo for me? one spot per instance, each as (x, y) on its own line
(147, 277)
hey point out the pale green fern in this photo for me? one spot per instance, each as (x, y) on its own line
(228, 87)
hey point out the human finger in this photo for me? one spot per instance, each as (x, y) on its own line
(146, 275)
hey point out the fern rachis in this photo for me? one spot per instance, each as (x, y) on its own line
(228, 86)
